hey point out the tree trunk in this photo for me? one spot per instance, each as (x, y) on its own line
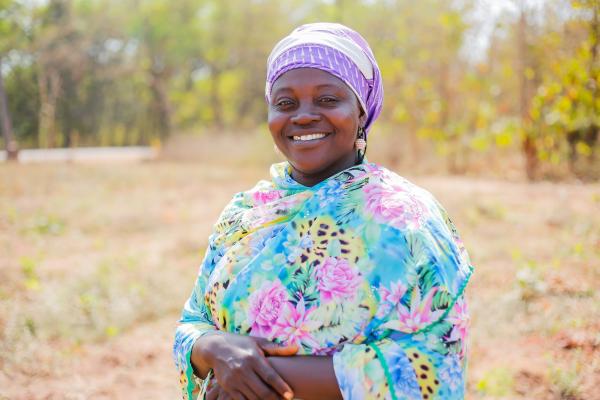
(528, 144)
(452, 138)
(49, 86)
(161, 102)
(215, 97)
(7, 132)
(593, 73)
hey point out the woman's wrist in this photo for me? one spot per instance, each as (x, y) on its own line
(202, 357)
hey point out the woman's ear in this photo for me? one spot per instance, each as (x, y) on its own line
(362, 119)
(362, 115)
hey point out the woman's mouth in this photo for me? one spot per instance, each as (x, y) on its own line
(309, 137)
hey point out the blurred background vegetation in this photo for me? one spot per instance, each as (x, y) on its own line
(470, 78)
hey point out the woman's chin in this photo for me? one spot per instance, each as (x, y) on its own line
(308, 167)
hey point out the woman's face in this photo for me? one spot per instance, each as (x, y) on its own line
(314, 119)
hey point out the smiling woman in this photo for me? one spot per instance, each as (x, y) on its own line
(336, 278)
(314, 120)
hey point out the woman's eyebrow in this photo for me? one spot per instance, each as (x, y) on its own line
(282, 89)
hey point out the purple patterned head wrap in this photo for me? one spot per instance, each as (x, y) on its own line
(336, 49)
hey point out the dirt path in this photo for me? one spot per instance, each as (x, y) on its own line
(135, 365)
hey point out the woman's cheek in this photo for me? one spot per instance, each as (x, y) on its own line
(344, 116)
(276, 122)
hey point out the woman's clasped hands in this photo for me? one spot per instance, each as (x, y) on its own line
(240, 366)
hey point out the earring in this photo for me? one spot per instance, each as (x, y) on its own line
(361, 144)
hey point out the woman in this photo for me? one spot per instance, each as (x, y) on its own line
(337, 278)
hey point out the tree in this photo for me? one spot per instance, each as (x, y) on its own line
(528, 143)
(9, 37)
(566, 108)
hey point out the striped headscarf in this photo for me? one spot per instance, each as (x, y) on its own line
(336, 49)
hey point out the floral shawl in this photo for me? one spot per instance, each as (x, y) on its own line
(364, 266)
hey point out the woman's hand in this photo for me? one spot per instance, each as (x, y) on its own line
(214, 392)
(240, 366)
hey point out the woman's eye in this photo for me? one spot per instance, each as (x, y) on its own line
(283, 103)
(328, 100)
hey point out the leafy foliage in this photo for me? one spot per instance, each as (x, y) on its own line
(106, 72)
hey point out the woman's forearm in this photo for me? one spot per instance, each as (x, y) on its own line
(310, 377)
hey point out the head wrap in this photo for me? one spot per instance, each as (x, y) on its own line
(336, 49)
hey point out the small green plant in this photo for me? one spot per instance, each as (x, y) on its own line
(492, 211)
(567, 382)
(30, 275)
(530, 282)
(497, 382)
(46, 225)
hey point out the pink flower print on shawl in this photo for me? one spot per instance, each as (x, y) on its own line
(459, 318)
(393, 205)
(394, 294)
(295, 327)
(390, 297)
(416, 317)
(265, 307)
(265, 197)
(336, 279)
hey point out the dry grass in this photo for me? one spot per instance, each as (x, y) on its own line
(96, 261)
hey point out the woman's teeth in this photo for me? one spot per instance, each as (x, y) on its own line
(314, 136)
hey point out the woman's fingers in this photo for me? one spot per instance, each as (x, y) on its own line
(213, 393)
(272, 378)
(274, 349)
(277, 350)
(260, 389)
(237, 384)
(223, 395)
(217, 393)
(242, 370)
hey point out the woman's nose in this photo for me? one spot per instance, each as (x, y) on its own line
(305, 116)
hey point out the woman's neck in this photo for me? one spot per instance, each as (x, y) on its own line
(311, 179)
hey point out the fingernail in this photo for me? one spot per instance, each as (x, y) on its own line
(288, 395)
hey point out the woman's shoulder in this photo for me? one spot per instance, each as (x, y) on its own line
(389, 190)
(408, 209)
(412, 212)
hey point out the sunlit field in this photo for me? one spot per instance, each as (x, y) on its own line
(97, 260)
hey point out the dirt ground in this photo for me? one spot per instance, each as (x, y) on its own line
(97, 260)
